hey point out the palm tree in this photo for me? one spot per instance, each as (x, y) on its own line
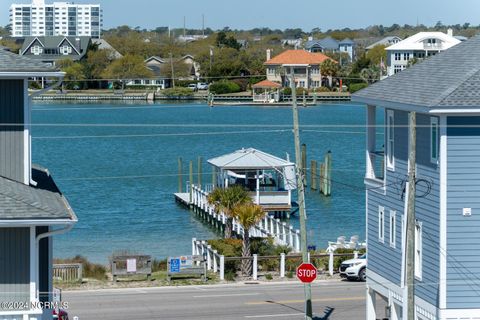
(248, 215)
(226, 200)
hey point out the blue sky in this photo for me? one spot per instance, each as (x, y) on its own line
(305, 14)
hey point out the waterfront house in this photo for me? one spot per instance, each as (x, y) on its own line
(386, 42)
(269, 179)
(444, 91)
(417, 47)
(32, 208)
(306, 66)
(54, 48)
(329, 44)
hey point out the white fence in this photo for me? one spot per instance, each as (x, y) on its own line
(283, 233)
(216, 262)
(67, 271)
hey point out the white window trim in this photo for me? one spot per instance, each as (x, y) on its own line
(390, 164)
(381, 224)
(434, 122)
(418, 247)
(393, 229)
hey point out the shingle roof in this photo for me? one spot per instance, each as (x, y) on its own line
(448, 79)
(267, 84)
(11, 62)
(327, 43)
(41, 202)
(385, 41)
(347, 41)
(297, 57)
(79, 43)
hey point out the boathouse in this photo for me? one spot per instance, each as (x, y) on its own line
(269, 179)
(444, 91)
(32, 208)
(266, 91)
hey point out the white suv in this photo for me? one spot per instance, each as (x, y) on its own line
(354, 269)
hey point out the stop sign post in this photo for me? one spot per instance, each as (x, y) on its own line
(306, 272)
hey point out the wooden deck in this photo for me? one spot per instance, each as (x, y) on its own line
(183, 198)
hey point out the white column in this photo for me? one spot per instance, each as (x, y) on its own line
(284, 233)
(222, 267)
(255, 267)
(209, 257)
(266, 222)
(282, 265)
(297, 241)
(272, 229)
(258, 187)
(371, 315)
(193, 246)
(290, 236)
(215, 262)
(278, 230)
(394, 310)
(330, 263)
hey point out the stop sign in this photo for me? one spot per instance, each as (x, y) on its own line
(306, 272)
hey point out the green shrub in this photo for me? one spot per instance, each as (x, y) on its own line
(223, 87)
(354, 87)
(227, 247)
(322, 89)
(177, 92)
(230, 275)
(289, 274)
(159, 265)
(268, 276)
(288, 91)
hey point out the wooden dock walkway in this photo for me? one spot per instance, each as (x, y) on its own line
(282, 233)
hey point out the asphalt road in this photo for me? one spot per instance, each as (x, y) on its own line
(331, 300)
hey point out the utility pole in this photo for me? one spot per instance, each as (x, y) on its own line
(411, 224)
(173, 71)
(203, 25)
(301, 195)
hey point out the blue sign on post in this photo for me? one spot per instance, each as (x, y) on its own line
(174, 265)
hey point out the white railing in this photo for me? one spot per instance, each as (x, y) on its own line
(216, 262)
(283, 233)
(272, 197)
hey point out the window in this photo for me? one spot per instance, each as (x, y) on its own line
(406, 56)
(434, 140)
(302, 84)
(397, 68)
(398, 56)
(65, 50)
(381, 223)
(418, 250)
(390, 140)
(36, 50)
(315, 70)
(393, 228)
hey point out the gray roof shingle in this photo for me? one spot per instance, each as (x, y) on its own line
(11, 62)
(41, 202)
(448, 79)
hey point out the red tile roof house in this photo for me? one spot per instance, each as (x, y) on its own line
(304, 64)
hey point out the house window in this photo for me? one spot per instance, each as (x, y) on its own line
(434, 140)
(36, 50)
(302, 84)
(418, 250)
(390, 140)
(397, 68)
(393, 228)
(315, 71)
(406, 56)
(398, 56)
(65, 50)
(381, 224)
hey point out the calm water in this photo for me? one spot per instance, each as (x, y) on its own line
(117, 165)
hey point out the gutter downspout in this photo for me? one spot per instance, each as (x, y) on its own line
(33, 95)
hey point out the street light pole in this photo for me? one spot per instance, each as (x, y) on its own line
(301, 194)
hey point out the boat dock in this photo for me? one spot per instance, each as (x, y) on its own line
(196, 200)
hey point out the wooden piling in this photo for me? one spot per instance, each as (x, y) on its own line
(304, 160)
(190, 176)
(180, 177)
(322, 178)
(313, 175)
(328, 173)
(199, 172)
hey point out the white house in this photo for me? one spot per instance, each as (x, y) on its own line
(418, 46)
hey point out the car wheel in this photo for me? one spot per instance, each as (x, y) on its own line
(362, 275)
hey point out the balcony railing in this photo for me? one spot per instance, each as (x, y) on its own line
(272, 197)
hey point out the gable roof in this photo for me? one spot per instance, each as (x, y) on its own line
(347, 41)
(79, 44)
(293, 57)
(102, 44)
(12, 63)
(266, 84)
(43, 202)
(450, 79)
(249, 159)
(385, 41)
(415, 42)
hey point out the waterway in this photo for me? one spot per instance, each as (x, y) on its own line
(117, 165)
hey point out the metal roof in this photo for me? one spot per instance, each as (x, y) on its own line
(249, 159)
(43, 202)
(450, 79)
(13, 63)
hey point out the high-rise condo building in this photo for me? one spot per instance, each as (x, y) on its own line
(59, 18)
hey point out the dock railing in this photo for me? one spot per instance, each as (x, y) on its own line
(216, 262)
(68, 272)
(282, 233)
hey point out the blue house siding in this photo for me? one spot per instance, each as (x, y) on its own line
(463, 191)
(383, 259)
